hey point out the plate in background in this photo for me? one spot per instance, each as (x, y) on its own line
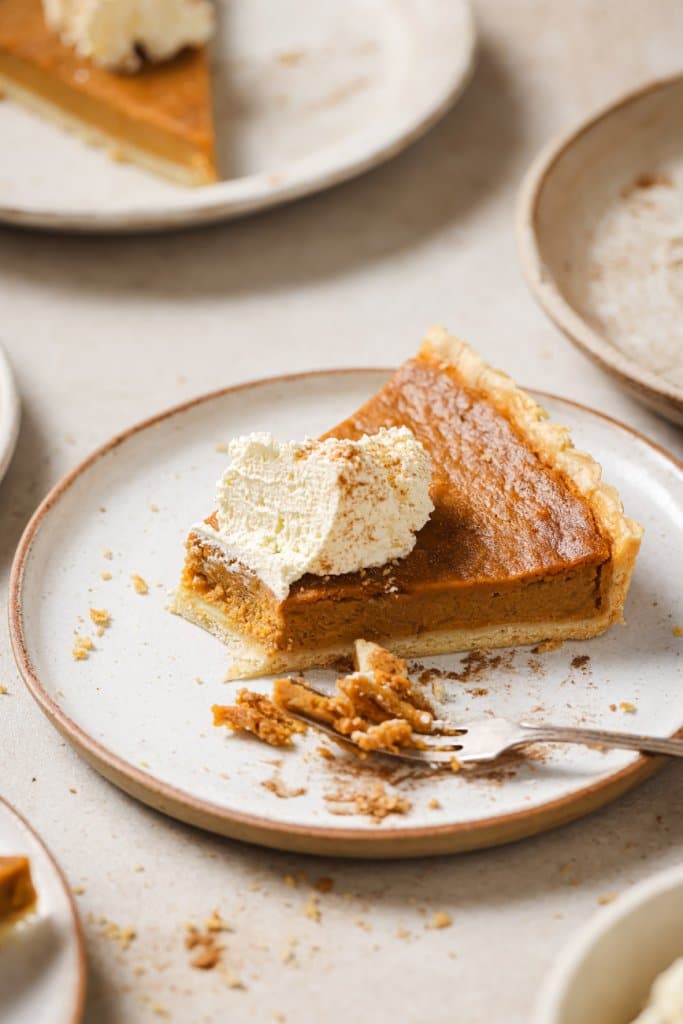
(306, 95)
(139, 707)
(42, 959)
(10, 413)
(600, 232)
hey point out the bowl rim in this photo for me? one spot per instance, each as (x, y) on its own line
(631, 374)
(580, 946)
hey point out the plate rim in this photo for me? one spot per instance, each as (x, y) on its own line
(351, 842)
(10, 412)
(219, 205)
(648, 386)
(79, 1006)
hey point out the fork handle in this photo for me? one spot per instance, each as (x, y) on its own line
(627, 740)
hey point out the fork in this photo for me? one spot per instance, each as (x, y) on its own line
(485, 740)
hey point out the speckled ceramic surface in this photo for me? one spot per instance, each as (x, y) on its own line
(42, 963)
(305, 95)
(601, 235)
(139, 707)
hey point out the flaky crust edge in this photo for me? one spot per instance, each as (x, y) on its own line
(553, 445)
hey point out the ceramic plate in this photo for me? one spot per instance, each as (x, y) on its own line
(608, 970)
(600, 227)
(306, 95)
(139, 707)
(42, 962)
(10, 413)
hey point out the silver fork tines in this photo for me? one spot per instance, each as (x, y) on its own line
(485, 740)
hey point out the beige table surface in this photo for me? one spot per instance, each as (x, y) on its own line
(104, 332)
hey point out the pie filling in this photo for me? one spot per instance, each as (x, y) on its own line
(88, 110)
(337, 611)
(165, 111)
(17, 895)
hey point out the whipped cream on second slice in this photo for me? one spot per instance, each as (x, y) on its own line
(289, 508)
(122, 34)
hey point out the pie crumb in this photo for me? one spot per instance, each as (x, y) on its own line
(677, 630)
(139, 585)
(326, 753)
(609, 897)
(3, 689)
(288, 953)
(105, 576)
(208, 953)
(215, 923)
(289, 880)
(434, 804)
(81, 648)
(628, 707)
(78, 890)
(153, 507)
(220, 446)
(100, 616)
(324, 884)
(442, 919)
(311, 909)
(123, 936)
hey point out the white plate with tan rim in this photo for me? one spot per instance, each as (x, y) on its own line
(306, 95)
(10, 413)
(600, 231)
(136, 710)
(42, 959)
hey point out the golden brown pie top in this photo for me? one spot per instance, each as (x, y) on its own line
(172, 96)
(499, 512)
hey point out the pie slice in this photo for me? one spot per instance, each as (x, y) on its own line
(17, 895)
(160, 118)
(525, 543)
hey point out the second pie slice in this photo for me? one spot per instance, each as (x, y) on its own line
(525, 543)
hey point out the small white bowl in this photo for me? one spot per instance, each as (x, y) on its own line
(606, 973)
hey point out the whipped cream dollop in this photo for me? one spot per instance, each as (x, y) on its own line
(122, 34)
(665, 1005)
(287, 508)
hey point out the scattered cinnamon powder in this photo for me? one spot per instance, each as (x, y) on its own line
(324, 884)
(281, 790)
(581, 661)
(646, 180)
